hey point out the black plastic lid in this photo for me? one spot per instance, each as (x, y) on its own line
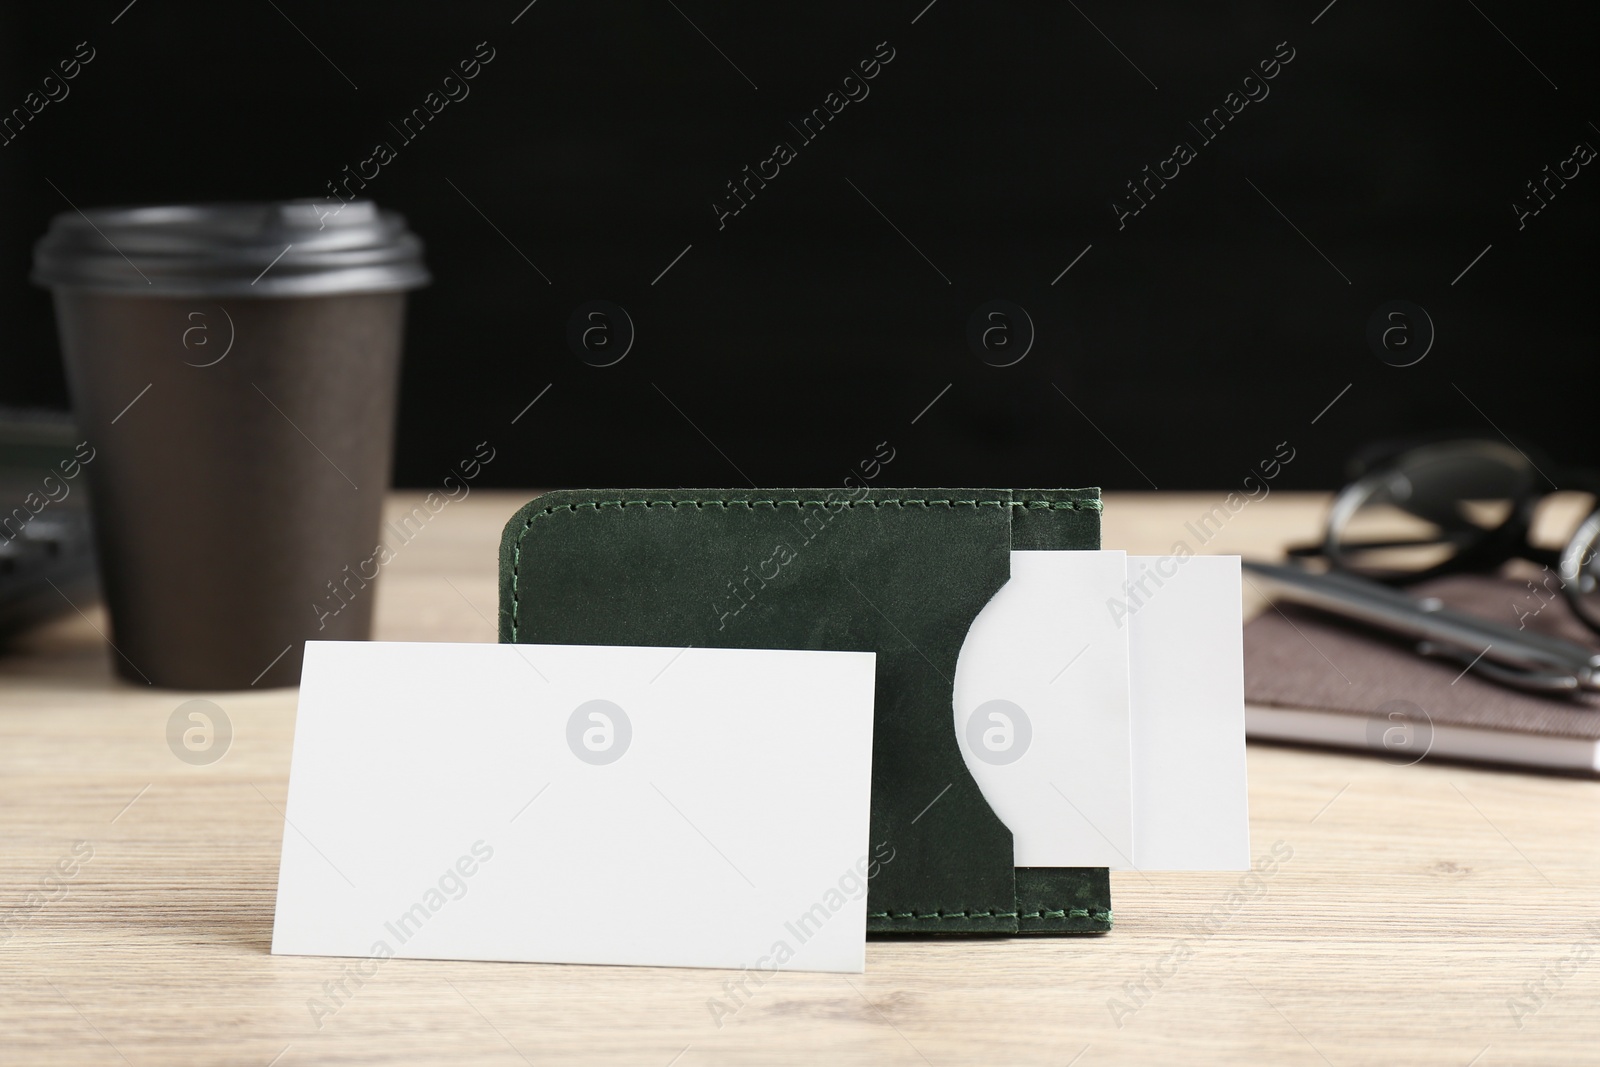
(288, 248)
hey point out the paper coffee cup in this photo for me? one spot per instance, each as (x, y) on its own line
(234, 368)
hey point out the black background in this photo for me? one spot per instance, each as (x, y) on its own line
(781, 349)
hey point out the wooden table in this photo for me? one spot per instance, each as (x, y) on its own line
(1430, 914)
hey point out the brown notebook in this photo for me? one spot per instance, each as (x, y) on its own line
(1311, 677)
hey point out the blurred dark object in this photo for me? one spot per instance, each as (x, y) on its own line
(237, 392)
(1511, 656)
(46, 548)
(1315, 678)
(1416, 512)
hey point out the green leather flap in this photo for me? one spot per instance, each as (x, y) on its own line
(901, 573)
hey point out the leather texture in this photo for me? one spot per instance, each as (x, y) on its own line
(898, 572)
(1284, 668)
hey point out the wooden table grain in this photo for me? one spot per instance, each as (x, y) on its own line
(1430, 914)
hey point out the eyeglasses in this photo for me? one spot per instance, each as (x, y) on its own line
(1458, 507)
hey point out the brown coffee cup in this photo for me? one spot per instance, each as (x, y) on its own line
(234, 368)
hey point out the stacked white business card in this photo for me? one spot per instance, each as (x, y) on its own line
(623, 805)
(1099, 699)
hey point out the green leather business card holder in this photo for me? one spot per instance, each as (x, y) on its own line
(898, 572)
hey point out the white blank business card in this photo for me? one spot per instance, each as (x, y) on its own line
(1190, 797)
(1042, 711)
(1099, 703)
(580, 804)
